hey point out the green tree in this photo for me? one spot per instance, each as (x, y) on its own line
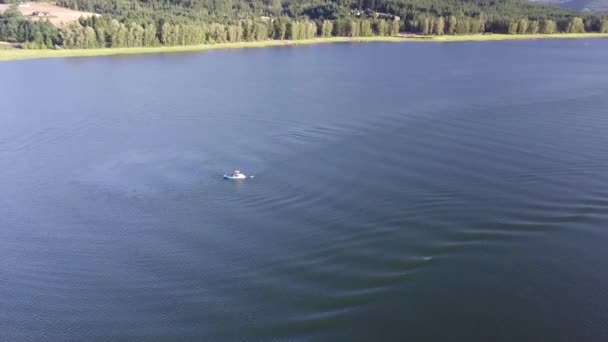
(232, 36)
(452, 25)
(548, 26)
(276, 6)
(341, 27)
(394, 27)
(261, 31)
(135, 36)
(293, 30)
(150, 35)
(381, 28)
(166, 32)
(248, 30)
(90, 38)
(327, 28)
(66, 36)
(354, 28)
(575, 25)
(425, 25)
(477, 25)
(513, 26)
(462, 25)
(216, 33)
(439, 26)
(311, 30)
(603, 27)
(532, 27)
(522, 26)
(279, 29)
(80, 38)
(100, 34)
(303, 30)
(366, 28)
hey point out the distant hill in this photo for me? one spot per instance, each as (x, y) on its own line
(578, 5)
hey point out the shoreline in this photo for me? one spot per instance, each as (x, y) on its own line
(21, 54)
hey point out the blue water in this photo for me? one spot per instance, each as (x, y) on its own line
(411, 191)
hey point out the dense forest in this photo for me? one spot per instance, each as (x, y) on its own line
(14, 27)
(135, 23)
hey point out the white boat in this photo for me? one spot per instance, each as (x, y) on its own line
(235, 175)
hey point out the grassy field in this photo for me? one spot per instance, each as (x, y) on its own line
(17, 54)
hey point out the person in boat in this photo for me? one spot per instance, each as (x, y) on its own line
(236, 173)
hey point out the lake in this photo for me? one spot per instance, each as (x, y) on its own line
(402, 191)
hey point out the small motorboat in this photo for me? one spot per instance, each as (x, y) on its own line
(236, 175)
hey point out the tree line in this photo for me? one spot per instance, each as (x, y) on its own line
(100, 32)
(139, 23)
(97, 32)
(107, 32)
(464, 25)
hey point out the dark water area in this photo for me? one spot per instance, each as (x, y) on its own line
(413, 191)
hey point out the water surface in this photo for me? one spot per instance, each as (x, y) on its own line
(414, 191)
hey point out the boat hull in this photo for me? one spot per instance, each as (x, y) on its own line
(235, 177)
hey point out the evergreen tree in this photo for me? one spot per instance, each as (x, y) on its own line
(48, 42)
(136, 35)
(575, 25)
(311, 30)
(232, 36)
(427, 26)
(439, 26)
(248, 30)
(150, 35)
(452, 25)
(280, 29)
(532, 27)
(261, 32)
(239, 33)
(293, 30)
(80, 38)
(513, 26)
(353, 28)
(547, 26)
(341, 28)
(303, 30)
(395, 27)
(603, 27)
(381, 28)
(165, 35)
(477, 25)
(522, 26)
(90, 38)
(269, 29)
(462, 25)
(327, 28)
(366, 28)
(100, 35)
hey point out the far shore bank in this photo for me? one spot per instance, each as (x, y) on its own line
(19, 54)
